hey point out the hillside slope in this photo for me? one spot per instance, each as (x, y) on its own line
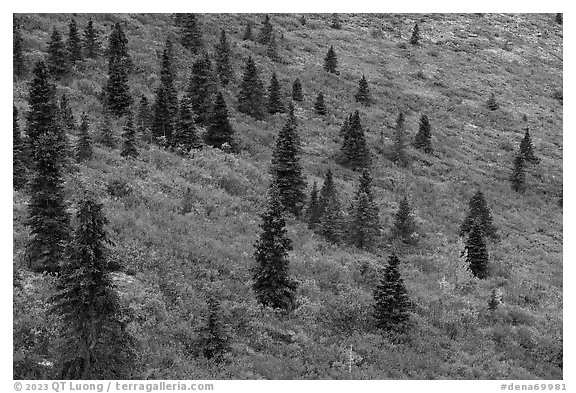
(172, 260)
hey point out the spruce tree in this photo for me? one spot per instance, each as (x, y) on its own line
(330, 61)
(223, 67)
(186, 135)
(275, 104)
(248, 32)
(423, 139)
(91, 43)
(106, 134)
(286, 169)
(272, 49)
(363, 94)
(47, 216)
(476, 253)
(18, 63)
(266, 31)
(331, 220)
(118, 46)
(479, 213)
(355, 152)
(200, 89)
(192, 34)
(319, 105)
(272, 283)
(518, 177)
(166, 104)
(95, 343)
(526, 148)
(364, 228)
(345, 127)
(18, 158)
(392, 305)
(404, 225)
(336, 24)
(251, 95)
(168, 77)
(74, 44)
(129, 136)
(144, 118)
(415, 38)
(83, 149)
(297, 90)
(399, 148)
(163, 122)
(118, 98)
(313, 210)
(219, 129)
(57, 56)
(66, 115)
(215, 341)
(492, 104)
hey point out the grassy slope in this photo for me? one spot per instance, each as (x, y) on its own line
(172, 260)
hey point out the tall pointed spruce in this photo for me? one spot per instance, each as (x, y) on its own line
(331, 220)
(91, 43)
(330, 61)
(83, 149)
(201, 89)
(404, 225)
(107, 137)
(192, 34)
(476, 253)
(185, 135)
(219, 129)
(272, 49)
(166, 104)
(518, 177)
(297, 90)
(95, 343)
(74, 43)
(364, 228)
(355, 152)
(265, 31)
(129, 136)
(319, 105)
(223, 66)
(18, 63)
(272, 283)
(313, 210)
(18, 158)
(274, 96)
(423, 139)
(527, 150)
(47, 216)
(286, 169)
(57, 57)
(251, 94)
(479, 213)
(415, 38)
(215, 341)
(363, 93)
(391, 302)
(118, 98)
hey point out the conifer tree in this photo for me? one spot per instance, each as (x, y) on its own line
(144, 118)
(118, 98)
(404, 225)
(479, 213)
(274, 101)
(518, 177)
(57, 56)
(265, 31)
(168, 77)
(219, 129)
(423, 139)
(526, 149)
(313, 211)
(399, 149)
(95, 343)
(66, 115)
(223, 67)
(74, 44)
(215, 339)
(363, 94)
(192, 34)
(331, 220)
(415, 38)
(330, 61)
(107, 135)
(345, 127)
(18, 63)
(163, 122)
(248, 32)
(364, 228)
(129, 136)
(91, 43)
(251, 95)
(18, 159)
(186, 135)
(272, 49)
(200, 89)
(166, 104)
(47, 216)
(392, 305)
(84, 144)
(286, 169)
(272, 283)
(492, 104)
(354, 149)
(297, 90)
(559, 18)
(118, 46)
(476, 253)
(336, 24)
(319, 105)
